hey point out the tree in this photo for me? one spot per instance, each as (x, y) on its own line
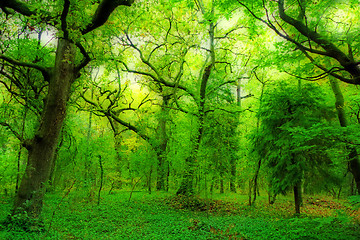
(172, 66)
(60, 77)
(286, 115)
(314, 35)
(321, 40)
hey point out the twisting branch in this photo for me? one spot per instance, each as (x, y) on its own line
(103, 11)
(160, 79)
(181, 109)
(111, 114)
(156, 48)
(45, 71)
(320, 76)
(228, 111)
(277, 31)
(329, 49)
(24, 9)
(86, 58)
(229, 32)
(219, 86)
(16, 134)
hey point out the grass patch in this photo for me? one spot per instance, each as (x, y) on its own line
(162, 216)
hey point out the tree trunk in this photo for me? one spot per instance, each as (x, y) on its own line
(186, 187)
(354, 162)
(41, 149)
(88, 155)
(258, 166)
(101, 179)
(221, 184)
(20, 151)
(160, 181)
(161, 149)
(232, 173)
(297, 197)
(149, 179)
(212, 185)
(167, 176)
(255, 180)
(52, 176)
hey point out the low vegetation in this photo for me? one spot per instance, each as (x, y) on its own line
(163, 216)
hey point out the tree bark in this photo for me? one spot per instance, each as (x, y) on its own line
(255, 180)
(233, 174)
(53, 171)
(258, 166)
(42, 147)
(20, 151)
(297, 197)
(186, 186)
(353, 158)
(221, 184)
(101, 179)
(161, 149)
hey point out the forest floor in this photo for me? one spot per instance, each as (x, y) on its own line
(163, 216)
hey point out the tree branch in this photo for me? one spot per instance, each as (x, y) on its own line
(17, 135)
(331, 50)
(86, 58)
(45, 71)
(63, 18)
(286, 37)
(110, 113)
(219, 86)
(160, 80)
(24, 9)
(103, 12)
(355, 81)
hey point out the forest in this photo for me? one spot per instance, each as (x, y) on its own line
(192, 119)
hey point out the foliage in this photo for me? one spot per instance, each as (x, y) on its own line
(355, 201)
(147, 218)
(287, 114)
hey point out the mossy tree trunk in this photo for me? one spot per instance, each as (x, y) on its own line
(161, 149)
(353, 158)
(41, 148)
(186, 186)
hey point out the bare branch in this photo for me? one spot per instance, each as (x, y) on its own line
(219, 86)
(229, 32)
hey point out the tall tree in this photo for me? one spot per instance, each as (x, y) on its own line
(286, 115)
(60, 77)
(353, 157)
(329, 45)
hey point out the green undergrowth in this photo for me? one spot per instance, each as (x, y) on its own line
(163, 216)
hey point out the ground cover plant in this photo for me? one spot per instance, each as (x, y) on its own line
(163, 216)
